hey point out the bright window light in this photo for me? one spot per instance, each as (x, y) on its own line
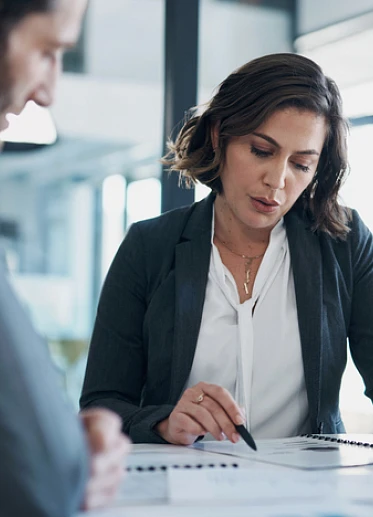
(34, 125)
(356, 192)
(113, 210)
(143, 200)
(200, 191)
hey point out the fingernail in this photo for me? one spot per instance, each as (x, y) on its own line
(243, 411)
(235, 437)
(221, 436)
(239, 420)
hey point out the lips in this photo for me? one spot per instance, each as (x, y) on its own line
(265, 205)
(15, 111)
(4, 123)
(269, 202)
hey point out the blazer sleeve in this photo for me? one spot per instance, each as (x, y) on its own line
(116, 367)
(43, 457)
(360, 331)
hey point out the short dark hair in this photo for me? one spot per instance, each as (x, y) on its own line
(18, 9)
(244, 100)
(13, 11)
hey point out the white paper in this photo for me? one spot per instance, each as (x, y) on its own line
(250, 485)
(299, 452)
(324, 508)
(260, 486)
(253, 489)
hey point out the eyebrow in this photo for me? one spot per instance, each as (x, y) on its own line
(276, 144)
(65, 43)
(68, 45)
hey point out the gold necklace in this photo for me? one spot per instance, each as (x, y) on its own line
(248, 263)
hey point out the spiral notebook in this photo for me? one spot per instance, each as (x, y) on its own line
(150, 466)
(310, 452)
(156, 458)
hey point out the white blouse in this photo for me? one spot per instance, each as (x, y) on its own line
(256, 357)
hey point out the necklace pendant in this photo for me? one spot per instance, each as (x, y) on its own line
(246, 287)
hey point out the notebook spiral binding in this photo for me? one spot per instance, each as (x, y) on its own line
(337, 440)
(153, 468)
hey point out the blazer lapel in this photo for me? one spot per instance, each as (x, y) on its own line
(305, 255)
(192, 261)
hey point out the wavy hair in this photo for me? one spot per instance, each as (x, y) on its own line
(243, 101)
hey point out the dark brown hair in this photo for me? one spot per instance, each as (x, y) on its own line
(244, 100)
(14, 11)
(18, 9)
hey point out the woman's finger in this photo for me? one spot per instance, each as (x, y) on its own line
(183, 429)
(203, 416)
(224, 399)
(222, 419)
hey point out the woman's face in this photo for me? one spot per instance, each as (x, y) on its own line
(266, 171)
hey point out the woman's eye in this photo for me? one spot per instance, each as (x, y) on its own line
(301, 167)
(54, 54)
(49, 54)
(260, 152)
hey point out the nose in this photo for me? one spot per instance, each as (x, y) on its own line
(43, 95)
(275, 175)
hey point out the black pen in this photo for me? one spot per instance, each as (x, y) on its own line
(246, 436)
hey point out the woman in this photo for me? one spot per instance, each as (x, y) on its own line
(238, 308)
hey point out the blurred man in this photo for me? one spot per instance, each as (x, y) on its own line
(52, 462)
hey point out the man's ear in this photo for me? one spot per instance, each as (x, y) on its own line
(215, 136)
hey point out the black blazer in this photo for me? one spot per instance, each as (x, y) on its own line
(151, 305)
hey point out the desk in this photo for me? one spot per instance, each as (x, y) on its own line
(144, 491)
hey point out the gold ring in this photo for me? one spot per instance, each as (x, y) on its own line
(199, 399)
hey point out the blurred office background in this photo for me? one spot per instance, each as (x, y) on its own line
(74, 178)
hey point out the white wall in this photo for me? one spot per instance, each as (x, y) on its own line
(125, 38)
(109, 110)
(121, 96)
(317, 14)
(231, 34)
(344, 49)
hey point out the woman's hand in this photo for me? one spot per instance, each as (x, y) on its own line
(204, 408)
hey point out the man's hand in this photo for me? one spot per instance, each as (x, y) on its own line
(108, 448)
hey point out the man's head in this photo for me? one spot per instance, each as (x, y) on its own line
(33, 36)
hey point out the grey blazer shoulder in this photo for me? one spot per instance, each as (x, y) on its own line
(151, 305)
(43, 457)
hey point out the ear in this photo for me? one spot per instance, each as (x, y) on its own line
(215, 136)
